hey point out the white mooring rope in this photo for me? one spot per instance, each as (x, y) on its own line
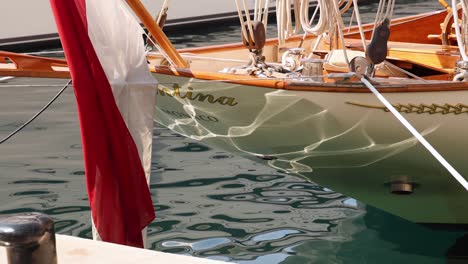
(416, 134)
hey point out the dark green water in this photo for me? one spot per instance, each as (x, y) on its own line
(209, 203)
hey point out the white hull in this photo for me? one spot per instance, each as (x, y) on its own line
(343, 141)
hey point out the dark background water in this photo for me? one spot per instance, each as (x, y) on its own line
(209, 203)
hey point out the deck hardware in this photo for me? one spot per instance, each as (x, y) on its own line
(29, 238)
(313, 68)
(461, 71)
(401, 188)
(401, 185)
(291, 59)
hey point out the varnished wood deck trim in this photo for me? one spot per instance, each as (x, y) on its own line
(350, 87)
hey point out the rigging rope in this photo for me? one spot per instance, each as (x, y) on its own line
(340, 26)
(461, 45)
(36, 115)
(284, 19)
(384, 11)
(344, 5)
(323, 21)
(247, 17)
(258, 13)
(326, 12)
(261, 14)
(358, 19)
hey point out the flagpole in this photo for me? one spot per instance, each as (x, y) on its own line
(157, 33)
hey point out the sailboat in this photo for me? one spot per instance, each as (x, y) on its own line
(315, 119)
(378, 119)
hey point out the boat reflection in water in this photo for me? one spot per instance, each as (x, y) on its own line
(220, 206)
(346, 141)
(403, 242)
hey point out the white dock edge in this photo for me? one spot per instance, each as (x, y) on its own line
(72, 250)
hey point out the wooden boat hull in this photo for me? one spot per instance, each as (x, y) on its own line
(425, 28)
(344, 141)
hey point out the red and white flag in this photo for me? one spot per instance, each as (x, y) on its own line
(115, 94)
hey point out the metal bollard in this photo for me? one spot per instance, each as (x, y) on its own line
(29, 238)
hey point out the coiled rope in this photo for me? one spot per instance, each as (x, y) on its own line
(461, 44)
(324, 9)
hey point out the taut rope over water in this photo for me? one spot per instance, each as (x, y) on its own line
(36, 115)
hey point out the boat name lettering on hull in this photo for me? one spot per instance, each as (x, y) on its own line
(206, 118)
(194, 96)
(443, 109)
